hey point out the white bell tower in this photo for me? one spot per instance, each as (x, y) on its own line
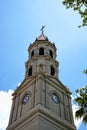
(41, 102)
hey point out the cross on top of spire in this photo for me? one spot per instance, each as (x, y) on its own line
(42, 36)
(42, 29)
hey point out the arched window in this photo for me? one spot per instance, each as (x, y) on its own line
(41, 51)
(32, 53)
(30, 71)
(51, 53)
(52, 71)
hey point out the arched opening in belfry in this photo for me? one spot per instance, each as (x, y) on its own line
(52, 71)
(41, 51)
(32, 53)
(51, 53)
(30, 71)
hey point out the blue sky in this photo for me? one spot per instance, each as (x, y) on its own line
(20, 23)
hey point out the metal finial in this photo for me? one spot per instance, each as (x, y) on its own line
(42, 29)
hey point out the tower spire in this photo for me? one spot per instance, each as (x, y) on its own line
(42, 29)
(41, 101)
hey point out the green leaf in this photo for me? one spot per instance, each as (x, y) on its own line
(79, 113)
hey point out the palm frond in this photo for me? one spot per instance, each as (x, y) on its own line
(85, 119)
(79, 113)
(79, 99)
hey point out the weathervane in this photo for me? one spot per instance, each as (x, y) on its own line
(42, 29)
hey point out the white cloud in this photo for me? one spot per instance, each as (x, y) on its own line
(5, 107)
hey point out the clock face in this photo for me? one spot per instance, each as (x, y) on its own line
(25, 99)
(55, 98)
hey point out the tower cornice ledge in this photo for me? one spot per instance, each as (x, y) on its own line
(41, 113)
(50, 79)
(44, 41)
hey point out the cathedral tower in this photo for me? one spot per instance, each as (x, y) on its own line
(41, 102)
